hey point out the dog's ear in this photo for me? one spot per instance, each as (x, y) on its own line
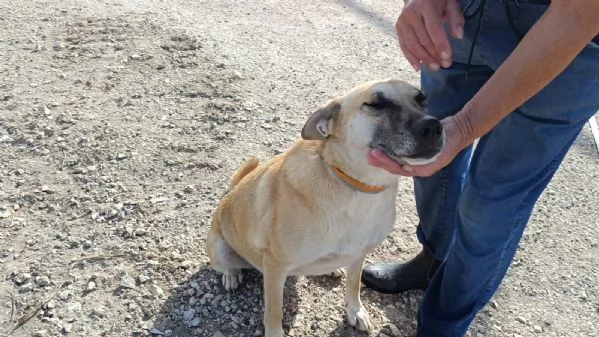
(320, 125)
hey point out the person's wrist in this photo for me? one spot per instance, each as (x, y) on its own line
(465, 128)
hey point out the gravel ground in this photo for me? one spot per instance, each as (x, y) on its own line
(121, 123)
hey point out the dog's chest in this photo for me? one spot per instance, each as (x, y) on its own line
(348, 233)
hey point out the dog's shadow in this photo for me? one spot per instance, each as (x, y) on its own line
(200, 306)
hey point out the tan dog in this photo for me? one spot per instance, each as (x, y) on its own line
(320, 206)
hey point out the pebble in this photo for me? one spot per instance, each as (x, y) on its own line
(186, 264)
(58, 46)
(91, 285)
(537, 329)
(121, 156)
(26, 287)
(155, 331)
(40, 333)
(74, 308)
(143, 278)
(46, 189)
(394, 330)
(64, 295)
(42, 281)
(22, 278)
(188, 314)
(156, 290)
(66, 328)
(168, 333)
(218, 334)
(521, 319)
(127, 282)
(195, 322)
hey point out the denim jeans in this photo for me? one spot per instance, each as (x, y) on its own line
(473, 212)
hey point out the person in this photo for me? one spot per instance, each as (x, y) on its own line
(522, 78)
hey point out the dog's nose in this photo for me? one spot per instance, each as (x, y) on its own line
(428, 129)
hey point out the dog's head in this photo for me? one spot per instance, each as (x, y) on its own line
(389, 115)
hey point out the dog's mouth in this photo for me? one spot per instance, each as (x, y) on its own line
(417, 158)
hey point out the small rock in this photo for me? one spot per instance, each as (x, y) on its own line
(537, 329)
(143, 278)
(186, 264)
(66, 328)
(22, 278)
(159, 200)
(50, 304)
(91, 285)
(155, 331)
(64, 295)
(40, 333)
(394, 330)
(521, 319)
(140, 232)
(189, 189)
(121, 156)
(127, 282)
(195, 322)
(46, 189)
(26, 287)
(188, 314)
(156, 290)
(218, 334)
(58, 46)
(383, 335)
(42, 281)
(74, 308)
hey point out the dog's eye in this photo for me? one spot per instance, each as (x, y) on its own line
(420, 98)
(375, 105)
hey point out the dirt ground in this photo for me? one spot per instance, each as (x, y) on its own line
(121, 123)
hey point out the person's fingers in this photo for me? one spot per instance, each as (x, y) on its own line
(378, 159)
(414, 61)
(414, 47)
(425, 40)
(433, 22)
(455, 18)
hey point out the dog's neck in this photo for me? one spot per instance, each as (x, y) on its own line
(355, 183)
(355, 171)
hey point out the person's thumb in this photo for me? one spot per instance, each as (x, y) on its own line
(455, 18)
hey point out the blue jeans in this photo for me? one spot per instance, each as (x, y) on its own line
(473, 212)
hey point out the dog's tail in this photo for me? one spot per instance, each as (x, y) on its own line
(244, 170)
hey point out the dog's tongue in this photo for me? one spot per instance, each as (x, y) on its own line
(380, 159)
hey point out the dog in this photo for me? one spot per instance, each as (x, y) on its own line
(319, 206)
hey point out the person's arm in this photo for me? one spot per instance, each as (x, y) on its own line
(545, 51)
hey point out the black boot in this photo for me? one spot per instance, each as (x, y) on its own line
(396, 277)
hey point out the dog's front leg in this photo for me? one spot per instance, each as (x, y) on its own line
(274, 285)
(356, 313)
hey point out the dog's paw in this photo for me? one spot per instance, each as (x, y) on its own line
(359, 318)
(339, 273)
(232, 279)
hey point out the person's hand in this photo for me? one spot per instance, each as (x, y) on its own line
(455, 141)
(421, 34)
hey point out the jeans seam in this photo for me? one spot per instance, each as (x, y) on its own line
(442, 207)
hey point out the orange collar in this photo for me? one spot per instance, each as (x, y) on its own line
(355, 183)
